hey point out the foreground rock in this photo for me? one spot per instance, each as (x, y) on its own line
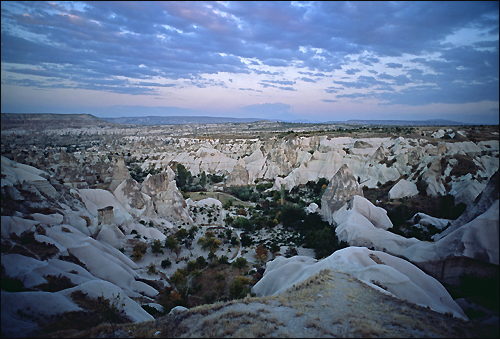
(379, 270)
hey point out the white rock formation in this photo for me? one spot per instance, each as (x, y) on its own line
(120, 174)
(476, 241)
(423, 220)
(403, 189)
(312, 208)
(341, 188)
(129, 195)
(481, 204)
(398, 277)
(239, 175)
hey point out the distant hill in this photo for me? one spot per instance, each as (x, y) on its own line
(41, 121)
(177, 120)
(432, 122)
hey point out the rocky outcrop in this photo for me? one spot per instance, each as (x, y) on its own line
(105, 216)
(471, 248)
(481, 204)
(171, 205)
(341, 188)
(382, 271)
(132, 199)
(165, 197)
(238, 176)
(120, 174)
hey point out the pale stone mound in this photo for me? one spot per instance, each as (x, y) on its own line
(95, 199)
(342, 187)
(380, 270)
(171, 205)
(376, 215)
(403, 189)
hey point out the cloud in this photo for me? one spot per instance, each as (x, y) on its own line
(352, 71)
(139, 48)
(393, 65)
(308, 79)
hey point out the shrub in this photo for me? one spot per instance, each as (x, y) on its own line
(246, 240)
(238, 289)
(202, 263)
(110, 311)
(181, 234)
(223, 259)
(179, 277)
(166, 263)
(139, 250)
(192, 265)
(151, 269)
(55, 283)
(227, 204)
(243, 223)
(171, 243)
(240, 262)
(156, 247)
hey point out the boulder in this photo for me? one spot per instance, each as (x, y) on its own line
(341, 188)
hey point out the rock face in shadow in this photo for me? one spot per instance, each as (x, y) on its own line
(340, 190)
(480, 205)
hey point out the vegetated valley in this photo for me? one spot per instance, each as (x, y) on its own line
(248, 229)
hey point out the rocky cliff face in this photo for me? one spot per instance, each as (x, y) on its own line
(340, 190)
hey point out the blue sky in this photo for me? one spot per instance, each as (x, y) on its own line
(304, 61)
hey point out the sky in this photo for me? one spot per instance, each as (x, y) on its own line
(288, 61)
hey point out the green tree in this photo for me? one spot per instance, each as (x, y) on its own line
(203, 179)
(239, 288)
(166, 263)
(171, 243)
(183, 177)
(240, 262)
(156, 247)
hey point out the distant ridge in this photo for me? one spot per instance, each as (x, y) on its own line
(178, 120)
(41, 121)
(432, 122)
